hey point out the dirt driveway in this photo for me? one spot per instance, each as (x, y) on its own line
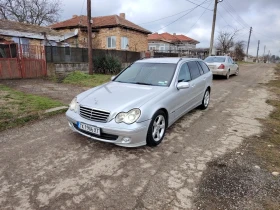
(46, 166)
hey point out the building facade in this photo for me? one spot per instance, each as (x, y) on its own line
(108, 32)
(166, 42)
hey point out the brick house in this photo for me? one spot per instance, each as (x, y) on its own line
(166, 42)
(109, 32)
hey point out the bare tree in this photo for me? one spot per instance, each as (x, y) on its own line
(239, 50)
(226, 40)
(38, 12)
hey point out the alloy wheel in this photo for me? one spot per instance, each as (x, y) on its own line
(158, 128)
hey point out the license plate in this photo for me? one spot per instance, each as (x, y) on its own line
(89, 128)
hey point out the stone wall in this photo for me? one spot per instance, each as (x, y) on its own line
(61, 70)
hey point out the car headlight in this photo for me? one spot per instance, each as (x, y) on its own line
(128, 117)
(74, 106)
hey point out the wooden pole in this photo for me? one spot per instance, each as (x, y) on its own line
(89, 27)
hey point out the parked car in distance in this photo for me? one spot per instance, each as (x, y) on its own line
(141, 102)
(222, 65)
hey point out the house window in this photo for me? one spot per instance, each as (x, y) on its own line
(152, 48)
(124, 43)
(111, 42)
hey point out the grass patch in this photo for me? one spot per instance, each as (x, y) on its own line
(271, 136)
(83, 79)
(17, 107)
(244, 62)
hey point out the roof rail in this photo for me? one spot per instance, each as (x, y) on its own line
(179, 60)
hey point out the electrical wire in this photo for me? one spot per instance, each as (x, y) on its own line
(199, 5)
(163, 18)
(181, 16)
(232, 9)
(200, 17)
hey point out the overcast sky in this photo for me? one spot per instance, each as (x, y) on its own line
(196, 22)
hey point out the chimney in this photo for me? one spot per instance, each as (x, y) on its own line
(122, 15)
(174, 34)
(74, 16)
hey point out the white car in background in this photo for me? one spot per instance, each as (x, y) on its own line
(222, 65)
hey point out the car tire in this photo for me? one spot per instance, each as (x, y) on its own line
(228, 74)
(237, 72)
(156, 129)
(205, 100)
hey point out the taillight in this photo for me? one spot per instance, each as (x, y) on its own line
(222, 66)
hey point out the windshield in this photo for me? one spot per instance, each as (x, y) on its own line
(157, 74)
(213, 59)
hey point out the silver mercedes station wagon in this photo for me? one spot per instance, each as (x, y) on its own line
(142, 101)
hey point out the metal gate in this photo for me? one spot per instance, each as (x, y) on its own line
(22, 61)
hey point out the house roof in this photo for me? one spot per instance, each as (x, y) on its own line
(166, 37)
(17, 29)
(24, 27)
(99, 22)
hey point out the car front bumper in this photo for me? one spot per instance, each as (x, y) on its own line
(133, 135)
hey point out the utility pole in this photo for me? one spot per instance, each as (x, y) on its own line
(264, 52)
(89, 28)
(258, 51)
(213, 26)
(249, 41)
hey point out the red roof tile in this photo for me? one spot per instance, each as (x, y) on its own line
(99, 22)
(170, 38)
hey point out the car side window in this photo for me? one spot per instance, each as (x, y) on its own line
(195, 72)
(184, 74)
(204, 66)
(200, 68)
(230, 60)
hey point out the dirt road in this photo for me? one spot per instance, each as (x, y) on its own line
(45, 165)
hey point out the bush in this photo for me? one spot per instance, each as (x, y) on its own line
(106, 64)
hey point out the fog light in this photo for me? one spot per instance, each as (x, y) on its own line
(126, 140)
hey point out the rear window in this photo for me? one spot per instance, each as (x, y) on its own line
(214, 59)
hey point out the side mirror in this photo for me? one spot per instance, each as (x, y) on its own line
(183, 85)
(113, 77)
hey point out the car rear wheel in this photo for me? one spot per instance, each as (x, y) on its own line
(206, 100)
(157, 129)
(237, 71)
(227, 75)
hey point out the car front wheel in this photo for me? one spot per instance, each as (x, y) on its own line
(157, 129)
(206, 100)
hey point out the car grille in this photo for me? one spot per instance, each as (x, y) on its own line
(104, 136)
(94, 114)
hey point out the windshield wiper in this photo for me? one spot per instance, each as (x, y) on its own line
(142, 83)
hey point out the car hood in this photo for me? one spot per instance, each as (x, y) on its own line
(117, 97)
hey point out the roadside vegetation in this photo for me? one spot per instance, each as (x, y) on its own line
(18, 108)
(271, 154)
(83, 79)
(248, 177)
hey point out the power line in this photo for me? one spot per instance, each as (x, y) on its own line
(171, 15)
(200, 5)
(181, 16)
(240, 18)
(164, 17)
(236, 20)
(200, 17)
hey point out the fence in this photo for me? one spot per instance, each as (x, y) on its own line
(192, 53)
(56, 54)
(21, 61)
